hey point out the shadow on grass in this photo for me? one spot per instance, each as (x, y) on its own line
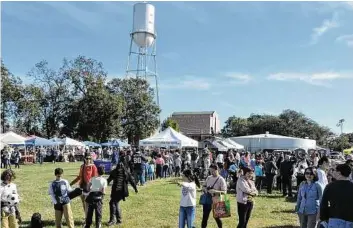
(282, 226)
(50, 223)
(291, 200)
(271, 196)
(284, 211)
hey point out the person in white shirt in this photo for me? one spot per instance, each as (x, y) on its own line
(323, 166)
(220, 159)
(94, 199)
(8, 209)
(187, 209)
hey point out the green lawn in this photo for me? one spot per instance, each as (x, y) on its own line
(156, 204)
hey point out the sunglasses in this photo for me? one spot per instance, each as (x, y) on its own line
(308, 173)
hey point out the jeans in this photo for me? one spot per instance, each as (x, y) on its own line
(186, 214)
(140, 176)
(287, 182)
(165, 170)
(206, 213)
(97, 208)
(115, 211)
(339, 223)
(258, 183)
(307, 221)
(269, 179)
(244, 213)
(40, 160)
(159, 171)
(177, 171)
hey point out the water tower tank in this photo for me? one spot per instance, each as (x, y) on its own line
(143, 32)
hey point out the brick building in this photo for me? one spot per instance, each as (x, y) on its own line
(197, 125)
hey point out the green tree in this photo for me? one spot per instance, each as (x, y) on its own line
(54, 98)
(11, 93)
(339, 143)
(29, 116)
(169, 122)
(140, 113)
(235, 126)
(95, 113)
(288, 123)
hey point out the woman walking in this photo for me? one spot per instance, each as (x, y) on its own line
(187, 209)
(308, 202)
(215, 185)
(120, 177)
(246, 190)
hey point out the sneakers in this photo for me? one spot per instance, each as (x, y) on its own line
(112, 223)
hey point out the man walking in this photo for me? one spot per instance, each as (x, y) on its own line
(139, 167)
(286, 171)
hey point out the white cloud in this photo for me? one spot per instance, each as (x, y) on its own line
(319, 79)
(326, 25)
(348, 39)
(238, 78)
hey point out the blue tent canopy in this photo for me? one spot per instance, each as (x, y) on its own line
(38, 141)
(116, 143)
(93, 144)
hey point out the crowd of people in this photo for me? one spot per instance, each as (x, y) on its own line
(323, 191)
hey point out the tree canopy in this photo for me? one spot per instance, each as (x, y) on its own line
(77, 100)
(289, 123)
(169, 122)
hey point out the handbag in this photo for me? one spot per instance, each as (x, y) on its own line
(206, 197)
(221, 208)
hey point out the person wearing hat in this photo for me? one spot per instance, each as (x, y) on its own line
(87, 171)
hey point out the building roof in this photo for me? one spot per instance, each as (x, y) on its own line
(193, 113)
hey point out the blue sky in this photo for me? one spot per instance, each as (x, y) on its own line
(233, 57)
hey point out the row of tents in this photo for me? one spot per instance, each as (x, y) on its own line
(167, 138)
(11, 138)
(171, 138)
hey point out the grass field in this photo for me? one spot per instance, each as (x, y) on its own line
(155, 206)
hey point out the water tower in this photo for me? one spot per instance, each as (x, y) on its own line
(142, 54)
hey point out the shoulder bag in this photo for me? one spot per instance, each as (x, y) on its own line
(206, 197)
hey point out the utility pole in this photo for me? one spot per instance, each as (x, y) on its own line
(340, 124)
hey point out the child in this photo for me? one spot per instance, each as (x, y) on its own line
(259, 175)
(58, 190)
(187, 209)
(17, 158)
(95, 198)
(151, 171)
(8, 209)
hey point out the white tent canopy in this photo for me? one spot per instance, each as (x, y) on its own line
(12, 138)
(68, 142)
(167, 138)
(234, 144)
